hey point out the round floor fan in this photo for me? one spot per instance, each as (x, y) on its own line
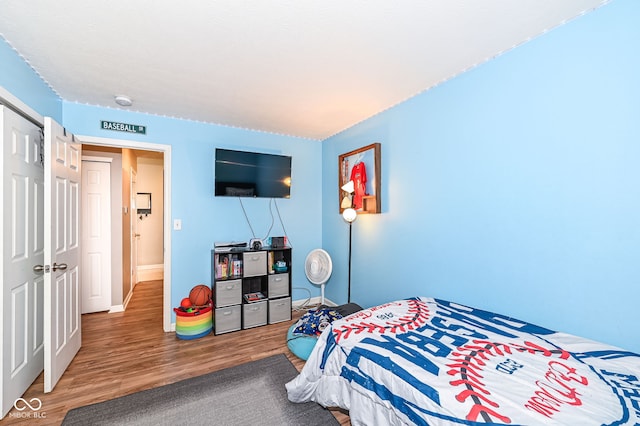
(318, 268)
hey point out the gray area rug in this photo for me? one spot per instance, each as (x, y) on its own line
(248, 394)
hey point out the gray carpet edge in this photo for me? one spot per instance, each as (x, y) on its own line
(249, 393)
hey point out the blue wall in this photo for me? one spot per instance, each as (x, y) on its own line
(22, 81)
(514, 187)
(205, 218)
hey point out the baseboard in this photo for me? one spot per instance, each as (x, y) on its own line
(116, 308)
(314, 301)
(150, 272)
(127, 299)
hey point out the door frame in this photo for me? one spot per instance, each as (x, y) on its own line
(133, 229)
(166, 150)
(8, 99)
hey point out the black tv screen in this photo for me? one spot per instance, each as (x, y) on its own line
(252, 174)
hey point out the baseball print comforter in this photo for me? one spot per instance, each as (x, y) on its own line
(427, 361)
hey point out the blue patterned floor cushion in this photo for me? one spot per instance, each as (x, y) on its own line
(303, 335)
(300, 344)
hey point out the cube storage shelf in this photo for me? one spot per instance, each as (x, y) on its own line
(250, 287)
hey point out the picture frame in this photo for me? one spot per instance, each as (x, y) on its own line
(361, 165)
(143, 203)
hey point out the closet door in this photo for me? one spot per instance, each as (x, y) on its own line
(96, 234)
(22, 236)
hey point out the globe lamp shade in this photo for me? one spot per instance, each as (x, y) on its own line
(349, 215)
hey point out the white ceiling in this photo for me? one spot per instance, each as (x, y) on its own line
(297, 67)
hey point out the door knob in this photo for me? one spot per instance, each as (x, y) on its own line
(45, 268)
(62, 266)
(136, 235)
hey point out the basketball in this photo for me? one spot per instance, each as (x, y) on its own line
(200, 295)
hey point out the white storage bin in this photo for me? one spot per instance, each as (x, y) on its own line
(228, 293)
(255, 263)
(254, 314)
(227, 319)
(278, 285)
(279, 310)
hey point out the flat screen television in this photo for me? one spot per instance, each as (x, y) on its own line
(252, 174)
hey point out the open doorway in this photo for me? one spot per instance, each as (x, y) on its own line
(154, 161)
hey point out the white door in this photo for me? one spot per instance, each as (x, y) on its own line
(96, 236)
(62, 177)
(22, 218)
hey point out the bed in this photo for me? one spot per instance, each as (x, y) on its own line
(427, 361)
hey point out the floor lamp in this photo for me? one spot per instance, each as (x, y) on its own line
(349, 214)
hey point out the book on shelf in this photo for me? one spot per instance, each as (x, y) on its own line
(270, 263)
(237, 267)
(254, 297)
(227, 265)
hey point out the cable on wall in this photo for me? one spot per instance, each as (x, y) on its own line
(253, 234)
(272, 220)
(272, 203)
(282, 224)
(306, 304)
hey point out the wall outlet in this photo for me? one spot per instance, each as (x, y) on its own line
(177, 224)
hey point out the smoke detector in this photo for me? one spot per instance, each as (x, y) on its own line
(124, 101)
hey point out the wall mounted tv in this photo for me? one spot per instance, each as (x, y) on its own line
(252, 174)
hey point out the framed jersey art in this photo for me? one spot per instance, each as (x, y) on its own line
(362, 167)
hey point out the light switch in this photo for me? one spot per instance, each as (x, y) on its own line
(177, 224)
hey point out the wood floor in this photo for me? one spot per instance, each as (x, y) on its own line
(127, 352)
